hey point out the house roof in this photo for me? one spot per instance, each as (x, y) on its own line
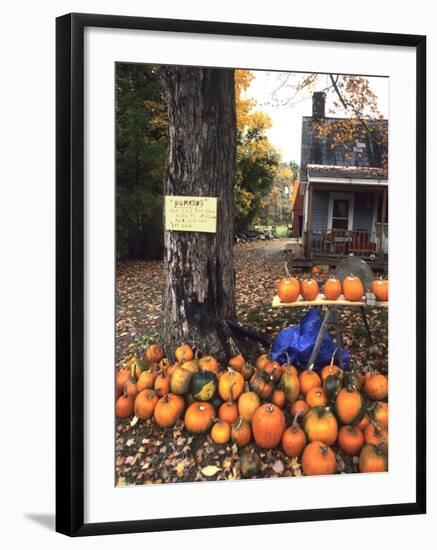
(366, 148)
(350, 172)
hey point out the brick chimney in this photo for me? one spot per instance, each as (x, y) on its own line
(319, 104)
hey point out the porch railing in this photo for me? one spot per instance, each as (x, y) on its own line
(342, 242)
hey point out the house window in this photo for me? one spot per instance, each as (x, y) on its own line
(340, 214)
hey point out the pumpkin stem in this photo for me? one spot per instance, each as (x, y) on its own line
(231, 397)
(287, 273)
(332, 358)
(298, 413)
(288, 358)
(154, 392)
(238, 423)
(310, 368)
(269, 408)
(132, 369)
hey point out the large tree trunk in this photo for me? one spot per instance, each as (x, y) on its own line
(199, 267)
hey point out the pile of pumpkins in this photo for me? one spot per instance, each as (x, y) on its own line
(242, 402)
(290, 288)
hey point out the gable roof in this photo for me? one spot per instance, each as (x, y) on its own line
(366, 149)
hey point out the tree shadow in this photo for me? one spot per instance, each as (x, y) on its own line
(46, 520)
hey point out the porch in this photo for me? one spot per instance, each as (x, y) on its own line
(344, 219)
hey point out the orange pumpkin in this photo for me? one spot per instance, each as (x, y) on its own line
(353, 288)
(332, 289)
(199, 417)
(131, 388)
(350, 440)
(363, 422)
(319, 424)
(316, 397)
(228, 411)
(309, 289)
(154, 353)
(373, 458)
(124, 406)
(221, 432)
(278, 398)
(184, 353)
(273, 368)
(376, 434)
(331, 370)
(146, 380)
(168, 410)
(208, 363)
(145, 403)
(379, 413)
(237, 362)
(262, 360)
(299, 406)
(309, 379)
(380, 289)
(376, 387)
(123, 376)
(268, 425)
(248, 403)
(318, 459)
(241, 432)
(162, 383)
(230, 381)
(294, 439)
(288, 289)
(349, 405)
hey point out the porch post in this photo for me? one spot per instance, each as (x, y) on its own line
(382, 234)
(309, 227)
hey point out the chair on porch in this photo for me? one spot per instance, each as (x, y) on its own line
(361, 242)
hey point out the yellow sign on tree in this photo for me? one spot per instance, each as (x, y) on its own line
(190, 214)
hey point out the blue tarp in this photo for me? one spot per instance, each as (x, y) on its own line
(298, 341)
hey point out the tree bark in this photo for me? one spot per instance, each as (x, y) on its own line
(199, 267)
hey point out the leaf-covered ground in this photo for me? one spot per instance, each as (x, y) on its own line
(146, 453)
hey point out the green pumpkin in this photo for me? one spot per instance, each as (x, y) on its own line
(332, 386)
(180, 381)
(204, 385)
(290, 385)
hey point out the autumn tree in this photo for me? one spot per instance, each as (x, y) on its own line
(257, 159)
(199, 291)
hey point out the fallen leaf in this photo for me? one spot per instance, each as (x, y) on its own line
(209, 471)
(133, 421)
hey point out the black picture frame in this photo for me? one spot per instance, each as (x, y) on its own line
(70, 273)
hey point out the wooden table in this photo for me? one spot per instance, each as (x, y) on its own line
(331, 317)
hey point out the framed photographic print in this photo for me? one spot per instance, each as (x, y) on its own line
(228, 350)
